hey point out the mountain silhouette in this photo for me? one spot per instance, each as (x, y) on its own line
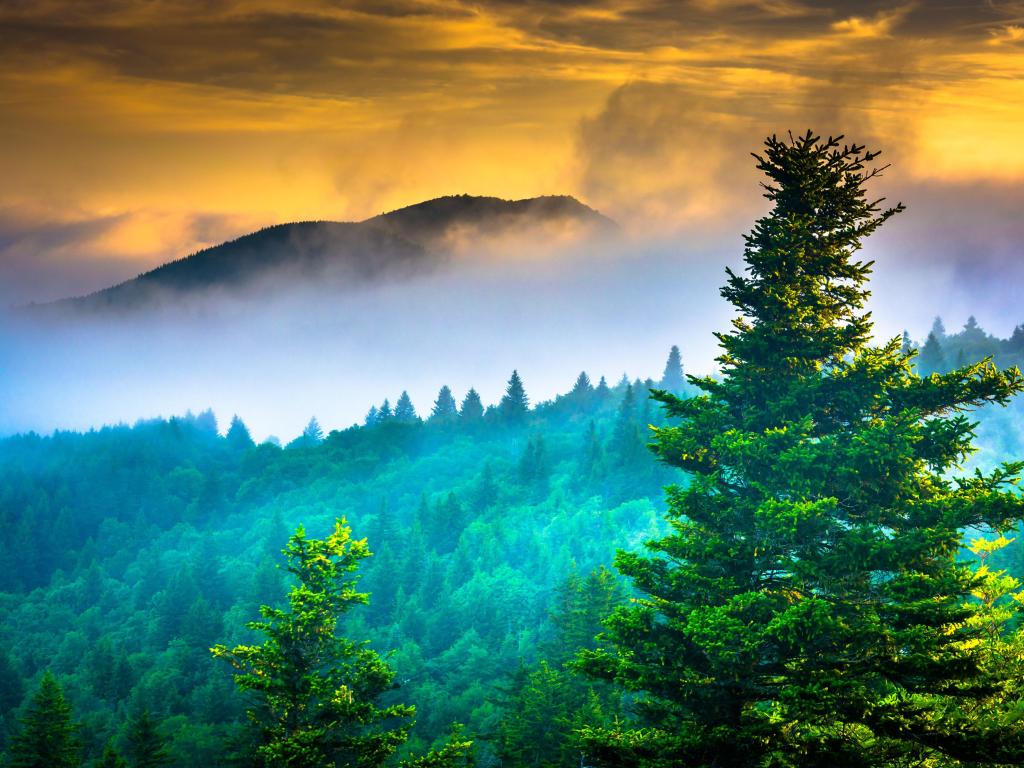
(344, 255)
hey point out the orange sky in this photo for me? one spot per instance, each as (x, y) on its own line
(134, 131)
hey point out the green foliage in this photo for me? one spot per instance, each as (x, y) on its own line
(317, 692)
(808, 607)
(145, 747)
(672, 379)
(445, 409)
(514, 405)
(48, 738)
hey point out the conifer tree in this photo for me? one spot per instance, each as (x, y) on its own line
(514, 404)
(48, 738)
(445, 408)
(372, 417)
(313, 434)
(405, 413)
(111, 758)
(938, 328)
(238, 436)
(384, 413)
(316, 693)
(472, 409)
(602, 391)
(808, 607)
(145, 746)
(672, 379)
(931, 359)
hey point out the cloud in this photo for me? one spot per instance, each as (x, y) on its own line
(47, 255)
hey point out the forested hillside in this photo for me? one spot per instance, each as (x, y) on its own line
(129, 551)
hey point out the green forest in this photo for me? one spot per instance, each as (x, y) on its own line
(806, 559)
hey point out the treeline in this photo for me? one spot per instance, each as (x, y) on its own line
(132, 550)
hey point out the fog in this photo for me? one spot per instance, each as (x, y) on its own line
(309, 350)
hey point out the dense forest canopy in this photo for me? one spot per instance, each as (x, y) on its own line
(130, 551)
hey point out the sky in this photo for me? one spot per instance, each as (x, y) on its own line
(137, 131)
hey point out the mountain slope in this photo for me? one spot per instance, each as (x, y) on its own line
(344, 255)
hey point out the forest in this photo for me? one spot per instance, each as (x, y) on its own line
(771, 566)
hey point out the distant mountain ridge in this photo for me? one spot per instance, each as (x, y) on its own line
(408, 241)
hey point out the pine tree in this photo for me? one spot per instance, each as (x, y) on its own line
(672, 379)
(145, 746)
(472, 408)
(48, 738)
(602, 391)
(514, 404)
(938, 328)
(405, 413)
(906, 345)
(312, 434)
(384, 413)
(445, 409)
(111, 758)
(316, 693)
(931, 359)
(627, 440)
(808, 607)
(372, 417)
(238, 436)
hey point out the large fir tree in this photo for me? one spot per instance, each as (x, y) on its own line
(807, 607)
(48, 737)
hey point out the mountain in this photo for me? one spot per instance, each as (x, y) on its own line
(344, 255)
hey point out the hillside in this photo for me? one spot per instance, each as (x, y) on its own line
(344, 255)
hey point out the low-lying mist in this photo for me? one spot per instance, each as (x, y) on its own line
(276, 359)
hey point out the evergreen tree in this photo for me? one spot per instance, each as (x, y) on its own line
(238, 436)
(145, 746)
(938, 328)
(627, 440)
(472, 408)
(313, 434)
(316, 692)
(672, 379)
(405, 413)
(372, 417)
(906, 345)
(1015, 344)
(111, 758)
(445, 408)
(931, 359)
(48, 738)
(808, 607)
(385, 414)
(582, 388)
(601, 391)
(514, 404)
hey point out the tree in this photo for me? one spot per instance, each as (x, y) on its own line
(938, 328)
(405, 413)
(514, 404)
(384, 414)
(111, 758)
(312, 434)
(371, 417)
(316, 693)
(472, 408)
(48, 737)
(672, 379)
(145, 746)
(807, 607)
(238, 436)
(931, 359)
(445, 409)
